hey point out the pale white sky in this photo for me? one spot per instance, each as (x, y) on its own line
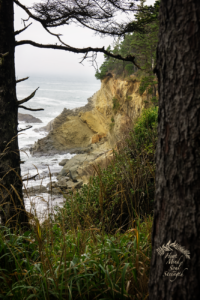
(30, 59)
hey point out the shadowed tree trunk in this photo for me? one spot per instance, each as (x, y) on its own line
(177, 203)
(11, 205)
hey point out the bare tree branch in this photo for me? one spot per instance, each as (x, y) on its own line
(24, 107)
(58, 12)
(27, 11)
(27, 98)
(19, 31)
(23, 79)
(130, 58)
(97, 15)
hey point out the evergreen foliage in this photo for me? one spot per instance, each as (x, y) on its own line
(140, 44)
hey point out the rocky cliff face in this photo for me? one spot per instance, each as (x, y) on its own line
(99, 124)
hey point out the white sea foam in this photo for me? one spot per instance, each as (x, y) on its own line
(47, 98)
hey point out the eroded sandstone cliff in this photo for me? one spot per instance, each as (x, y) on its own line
(99, 124)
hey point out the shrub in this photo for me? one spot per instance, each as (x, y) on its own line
(116, 104)
(145, 130)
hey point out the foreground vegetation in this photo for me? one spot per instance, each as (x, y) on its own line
(98, 246)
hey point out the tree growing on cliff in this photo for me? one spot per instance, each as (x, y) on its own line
(143, 46)
(176, 227)
(96, 15)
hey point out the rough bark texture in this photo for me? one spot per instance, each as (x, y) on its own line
(11, 207)
(177, 203)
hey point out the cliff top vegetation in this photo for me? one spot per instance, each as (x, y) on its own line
(140, 44)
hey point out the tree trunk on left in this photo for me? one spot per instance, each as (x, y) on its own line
(12, 210)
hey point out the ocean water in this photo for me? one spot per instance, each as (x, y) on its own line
(54, 94)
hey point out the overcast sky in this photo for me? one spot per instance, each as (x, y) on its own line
(31, 60)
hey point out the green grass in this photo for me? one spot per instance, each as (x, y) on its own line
(75, 264)
(98, 246)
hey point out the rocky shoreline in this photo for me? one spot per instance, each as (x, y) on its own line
(51, 145)
(90, 132)
(75, 172)
(27, 118)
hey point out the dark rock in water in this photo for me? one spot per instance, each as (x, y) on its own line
(63, 162)
(34, 190)
(28, 118)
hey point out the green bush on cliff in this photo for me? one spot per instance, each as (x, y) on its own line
(145, 131)
(116, 104)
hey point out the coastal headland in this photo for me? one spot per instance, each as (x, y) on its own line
(91, 131)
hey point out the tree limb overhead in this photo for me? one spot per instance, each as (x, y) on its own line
(78, 50)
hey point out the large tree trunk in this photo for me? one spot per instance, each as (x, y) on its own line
(177, 203)
(11, 201)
